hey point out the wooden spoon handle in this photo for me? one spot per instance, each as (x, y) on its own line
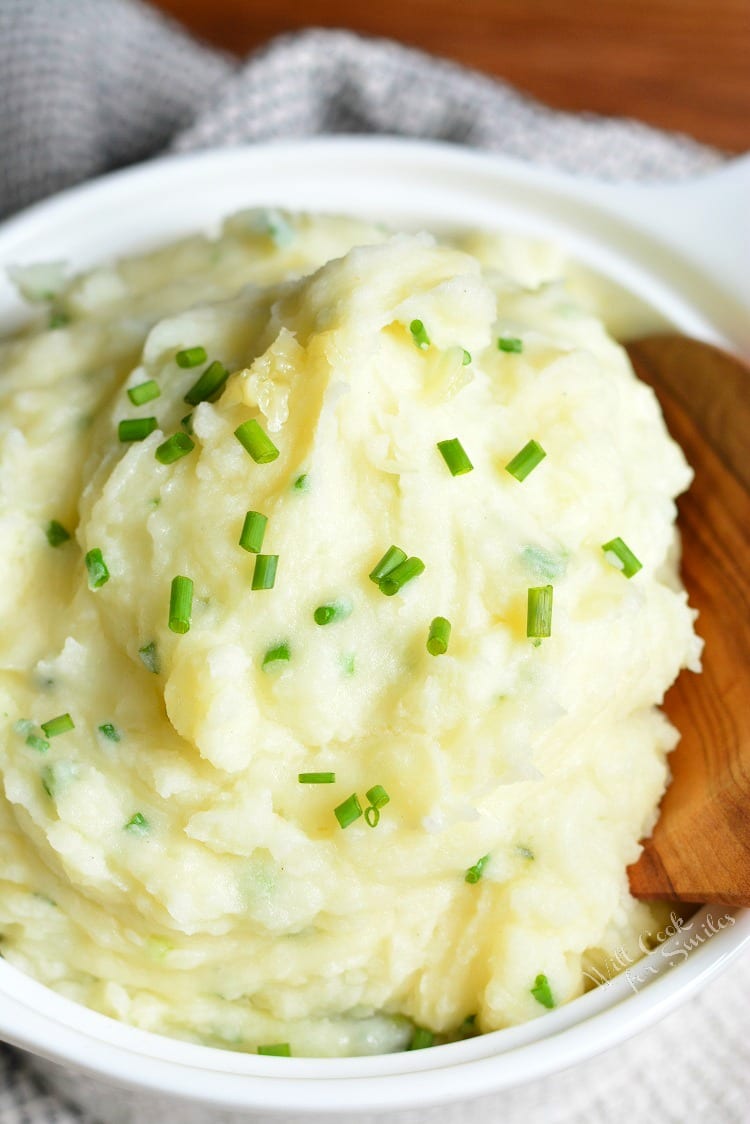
(700, 847)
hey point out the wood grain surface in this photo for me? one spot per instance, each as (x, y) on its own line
(678, 64)
(700, 848)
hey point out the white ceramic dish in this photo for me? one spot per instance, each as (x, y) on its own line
(684, 251)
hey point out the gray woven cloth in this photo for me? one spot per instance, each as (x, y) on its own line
(90, 85)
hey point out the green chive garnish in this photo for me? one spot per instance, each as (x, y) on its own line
(58, 320)
(136, 429)
(539, 612)
(277, 1050)
(542, 992)
(41, 745)
(619, 554)
(392, 558)
(59, 725)
(317, 778)
(419, 335)
(510, 344)
(110, 732)
(97, 568)
(466, 359)
(264, 574)
(191, 357)
(526, 461)
(144, 392)
(377, 796)
(187, 423)
(438, 637)
(150, 657)
(137, 824)
(524, 852)
(302, 483)
(56, 533)
(455, 456)
(475, 872)
(180, 604)
(47, 777)
(333, 611)
(209, 386)
(175, 447)
(421, 1039)
(256, 442)
(253, 530)
(396, 579)
(280, 653)
(349, 811)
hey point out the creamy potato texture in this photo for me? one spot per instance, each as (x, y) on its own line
(161, 861)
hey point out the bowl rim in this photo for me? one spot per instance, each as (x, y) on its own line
(47, 1023)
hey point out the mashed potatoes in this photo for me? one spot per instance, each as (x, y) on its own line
(162, 860)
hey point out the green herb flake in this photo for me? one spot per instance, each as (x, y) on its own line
(302, 483)
(190, 357)
(392, 558)
(618, 554)
(542, 992)
(110, 732)
(137, 824)
(395, 580)
(510, 344)
(97, 568)
(277, 1050)
(56, 533)
(524, 852)
(41, 745)
(275, 656)
(174, 448)
(256, 442)
(144, 392)
(421, 1039)
(419, 335)
(56, 726)
(455, 456)
(526, 460)
(57, 320)
(475, 872)
(545, 563)
(264, 574)
(180, 604)
(539, 612)
(316, 778)
(136, 429)
(348, 811)
(466, 358)
(331, 612)
(209, 386)
(438, 636)
(253, 532)
(150, 657)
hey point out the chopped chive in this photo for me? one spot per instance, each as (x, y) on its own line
(264, 574)
(419, 335)
(302, 483)
(144, 392)
(150, 657)
(526, 461)
(466, 359)
(438, 637)
(256, 442)
(137, 824)
(619, 554)
(187, 423)
(455, 457)
(395, 580)
(333, 611)
(317, 778)
(209, 386)
(180, 604)
(97, 569)
(349, 811)
(392, 558)
(510, 344)
(136, 429)
(542, 992)
(277, 1050)
(58, 320)
(475, 872)
(524, 852)
(253, 530)
(347, 663)
(280, 653)
(56, 533)
(191, 357)
(41, 745)
(421, 1039)
(372, 816)
(175, 447)
(539, 611)
(59, 725)
(110, 732)
(47, 777)
(377, 796)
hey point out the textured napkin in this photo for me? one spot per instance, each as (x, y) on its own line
(90, 85)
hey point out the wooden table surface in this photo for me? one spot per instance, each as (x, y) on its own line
(678, 64)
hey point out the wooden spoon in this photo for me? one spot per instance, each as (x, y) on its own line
(700, 847)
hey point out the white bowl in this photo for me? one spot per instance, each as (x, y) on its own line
(683, 251)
